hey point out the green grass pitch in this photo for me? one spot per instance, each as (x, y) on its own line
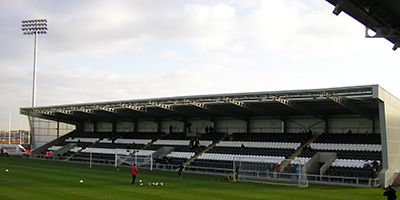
(42, 180)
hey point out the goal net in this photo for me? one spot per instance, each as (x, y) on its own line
(294, 174)
(144, 161)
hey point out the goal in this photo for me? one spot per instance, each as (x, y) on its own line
(294, 174)
(144, 161)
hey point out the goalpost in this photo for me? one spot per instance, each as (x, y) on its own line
(145, 161)
(293, 175)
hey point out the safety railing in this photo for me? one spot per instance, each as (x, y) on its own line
(248, 174)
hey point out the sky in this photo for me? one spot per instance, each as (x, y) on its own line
(129, 49)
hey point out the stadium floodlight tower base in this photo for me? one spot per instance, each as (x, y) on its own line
(265, 175)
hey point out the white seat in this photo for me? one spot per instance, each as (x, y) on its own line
(346, 147)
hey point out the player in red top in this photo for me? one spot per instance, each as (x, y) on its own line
(47, 154)
(134, 172)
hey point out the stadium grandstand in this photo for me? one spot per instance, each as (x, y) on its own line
(346, 135)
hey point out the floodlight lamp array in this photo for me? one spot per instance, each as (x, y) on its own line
(109, 109)
(194, 103)
(47, 112)
(161, 105)
(33, 27)
(235, 102)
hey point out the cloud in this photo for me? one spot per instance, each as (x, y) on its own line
(103, 50)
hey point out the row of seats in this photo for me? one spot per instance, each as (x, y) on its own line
(300, 160)
(351, 172)
(256, 166)
(211, 136)
(124, 135)
(213, 164)
(243, 158)
(76, 149)
(341, 162)
(91, 134)
(79, 139)
(54, 148)
(95, 156)
(180, 142)
(252, 151)
(229, 165)
(138, 152)
(349, 138)
(127, 141)
(176, 148)
(353, 163)
(172, 161)
(271, 137)
(361, 155)
(109, 151)
(138, 135)
(176, 136)
(177, 154)
(349, 147)
(277, 145)
(119, 146)
(206, 136)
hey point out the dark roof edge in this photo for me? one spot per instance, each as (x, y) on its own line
(374, 89)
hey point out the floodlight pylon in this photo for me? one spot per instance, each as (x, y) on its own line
(34, 27)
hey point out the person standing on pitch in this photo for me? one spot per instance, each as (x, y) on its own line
(390, 193)
(180, 169)
(134, 171)
(237, 173)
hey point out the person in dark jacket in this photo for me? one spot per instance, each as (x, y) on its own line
(237, 173)
(180, 169)
(134, 171)
(390, 193)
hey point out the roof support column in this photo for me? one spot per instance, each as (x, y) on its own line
(58, 129)
(114, 128)
(80, 126)
(214, 125)
(159, 123)
(185, 127)
(373, 125)
(248, 125)
(95, 126)
(135, 125)
(326, 128)
(283, 126)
